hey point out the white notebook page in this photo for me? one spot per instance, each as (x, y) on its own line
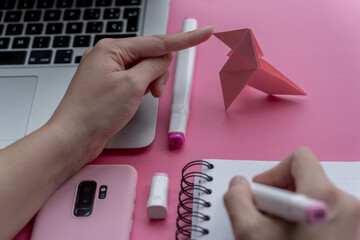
(345, 175)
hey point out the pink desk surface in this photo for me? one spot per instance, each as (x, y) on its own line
(315, 43)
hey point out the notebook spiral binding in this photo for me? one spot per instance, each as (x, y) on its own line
(187, 200)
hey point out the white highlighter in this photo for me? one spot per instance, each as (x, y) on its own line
(289, 205)
(180, 105)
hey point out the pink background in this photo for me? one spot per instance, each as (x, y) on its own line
(314, 43)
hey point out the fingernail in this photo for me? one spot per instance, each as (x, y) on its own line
(161, 90)
(207, 28)
(236, 180)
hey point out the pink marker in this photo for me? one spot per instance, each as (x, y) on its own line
(289, 205)
(180, 105)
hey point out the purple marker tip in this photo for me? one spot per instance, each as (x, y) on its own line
(176, 139)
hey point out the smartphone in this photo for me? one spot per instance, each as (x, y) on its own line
(96, 203)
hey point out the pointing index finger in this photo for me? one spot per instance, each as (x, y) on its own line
(159, 45)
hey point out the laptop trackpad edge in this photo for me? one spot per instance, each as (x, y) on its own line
(16, 98)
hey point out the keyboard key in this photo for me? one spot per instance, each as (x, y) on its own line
(82, 41)
(54, 28)
(84, 3)
(32, 16)
(14, 29)
(7, 4)
(74, 27)
(127, 2)
(63, 56)
(92, 14)
(34, 28)
(77, 59)
(13, 57)
(112, 13)
(72, 14)
(114, 26)
(40, 57)
(1, 28)
(64, 3)
(103, 3)
(23, 4)
(22, 42)
(132, 15)
(4, 43)
(45, 3)
(52, 15)
(13, 16)
(41, 42)
(61, 41)
(99, 37)
(1, 14)
(94, 27)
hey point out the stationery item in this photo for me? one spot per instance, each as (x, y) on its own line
(157, 203)
(247, 67)
(201, 210)
(289, 205)
(95, 203)
(180, 105)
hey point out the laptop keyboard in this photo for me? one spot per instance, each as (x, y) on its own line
(57, 32)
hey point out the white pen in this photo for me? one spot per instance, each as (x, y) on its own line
(180, 105)
(289, 205)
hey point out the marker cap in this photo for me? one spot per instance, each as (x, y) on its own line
(157, 203)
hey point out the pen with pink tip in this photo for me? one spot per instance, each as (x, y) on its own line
(180, 105)
(289, 205)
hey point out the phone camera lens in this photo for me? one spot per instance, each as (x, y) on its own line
(85, 199)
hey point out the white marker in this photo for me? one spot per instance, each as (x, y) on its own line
(180, 105)
(289, 205)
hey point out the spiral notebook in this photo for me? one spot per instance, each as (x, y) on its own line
(201, 211)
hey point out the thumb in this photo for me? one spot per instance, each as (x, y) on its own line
(149, 70)
(240, 206)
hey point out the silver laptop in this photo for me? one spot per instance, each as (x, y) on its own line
(41, 44)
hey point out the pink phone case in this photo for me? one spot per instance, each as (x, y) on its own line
(111, 217)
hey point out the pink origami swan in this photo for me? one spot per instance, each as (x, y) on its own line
(246, 66)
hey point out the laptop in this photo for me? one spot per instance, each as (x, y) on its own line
(41, 44)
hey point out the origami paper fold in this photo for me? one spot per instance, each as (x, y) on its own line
(246, 67)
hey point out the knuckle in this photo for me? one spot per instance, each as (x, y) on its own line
(163, 43)
(132, 83)
(104, 43)
(189, 39)
(87, 51)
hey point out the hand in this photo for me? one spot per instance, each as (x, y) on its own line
(110, 82)
(302, 173)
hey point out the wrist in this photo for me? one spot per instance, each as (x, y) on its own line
(80, 144)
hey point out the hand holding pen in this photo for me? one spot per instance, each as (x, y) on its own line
(302, 173)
